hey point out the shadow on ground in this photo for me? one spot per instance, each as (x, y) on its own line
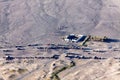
(111, 40)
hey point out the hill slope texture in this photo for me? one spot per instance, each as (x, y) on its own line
(30, 21)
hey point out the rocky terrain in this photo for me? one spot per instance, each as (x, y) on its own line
(32, 48)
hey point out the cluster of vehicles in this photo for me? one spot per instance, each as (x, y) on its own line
(71, 38)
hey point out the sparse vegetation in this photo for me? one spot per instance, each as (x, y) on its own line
(21, 71)
(55, 74)
(12, 76)
(12, 71)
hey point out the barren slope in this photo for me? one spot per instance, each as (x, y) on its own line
(30, 21)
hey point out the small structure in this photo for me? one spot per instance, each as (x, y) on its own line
(83, 39)
(74, 38)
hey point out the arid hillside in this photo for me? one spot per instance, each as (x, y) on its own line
(31, 21)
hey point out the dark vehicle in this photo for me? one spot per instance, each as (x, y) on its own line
(84, 57)
(53, 47)
(55, 56)
(70, 53)
(86, 49)
(40, 47)
(70, 56)
(34, 44)
(76, 47)
(97, 57)
(66, 47)
(73, 55)
(20, 48)
(7, 50)
(9, 58)
(78, 57)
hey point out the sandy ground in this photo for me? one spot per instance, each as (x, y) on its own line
(106, 67)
